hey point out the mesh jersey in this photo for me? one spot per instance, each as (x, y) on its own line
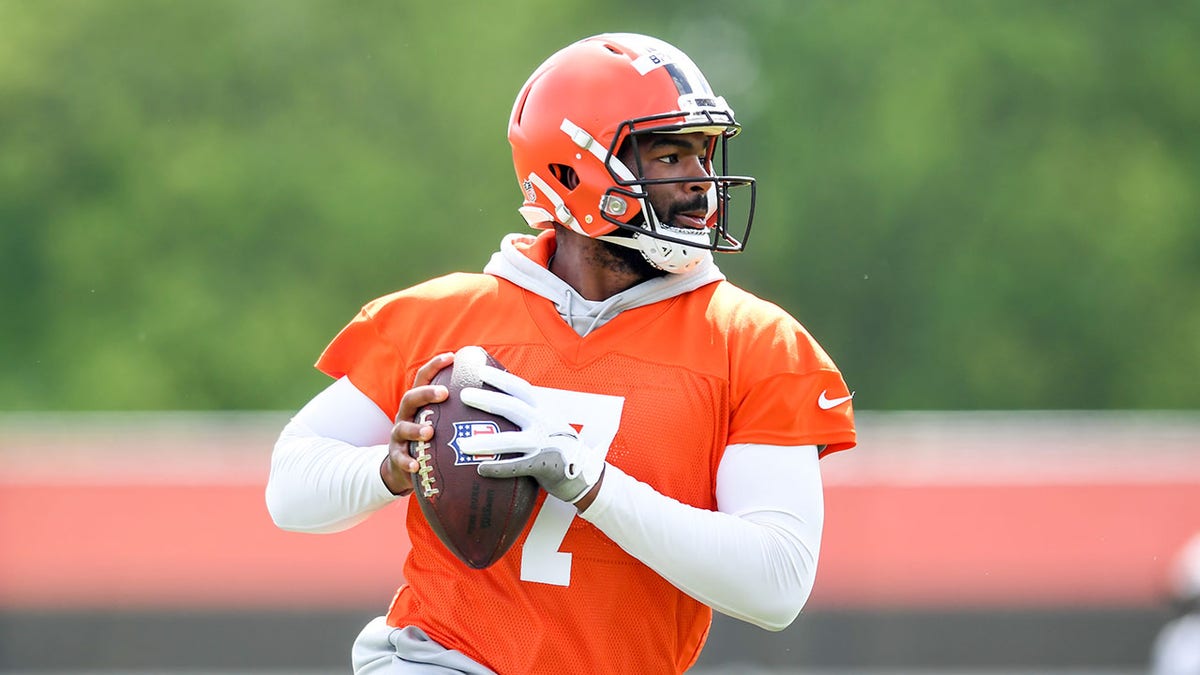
(689, 375)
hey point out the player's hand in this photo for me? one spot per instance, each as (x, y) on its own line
(398, 469)
(550, 450)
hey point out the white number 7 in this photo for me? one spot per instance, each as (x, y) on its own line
(597, 418)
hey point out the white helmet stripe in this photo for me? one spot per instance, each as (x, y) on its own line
(584, 140)
(561, 213)
(654, 53)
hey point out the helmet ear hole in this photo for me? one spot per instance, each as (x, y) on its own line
(565, 175)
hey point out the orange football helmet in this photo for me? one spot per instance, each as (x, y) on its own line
(575, 114)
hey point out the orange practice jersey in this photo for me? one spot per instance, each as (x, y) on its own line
(666, 387)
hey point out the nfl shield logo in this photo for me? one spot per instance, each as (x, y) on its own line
(467, 430)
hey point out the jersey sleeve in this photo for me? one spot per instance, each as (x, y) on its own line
(785, 389)
(380, 350)
(361, 353)
(785, 409)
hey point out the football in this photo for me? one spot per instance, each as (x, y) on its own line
(477, 518)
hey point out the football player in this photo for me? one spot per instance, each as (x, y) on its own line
(1176, 648)
(674, 420)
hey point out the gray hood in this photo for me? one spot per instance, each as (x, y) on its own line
(583, 315)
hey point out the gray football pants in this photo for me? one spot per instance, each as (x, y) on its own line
(383, 650)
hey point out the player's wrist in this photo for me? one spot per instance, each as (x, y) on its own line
(589, 495)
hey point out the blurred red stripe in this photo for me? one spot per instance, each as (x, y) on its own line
(1003, 545)
(184, 546)
(155, 546)
(931, 510)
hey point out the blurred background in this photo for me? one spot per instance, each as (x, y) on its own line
(987, 212)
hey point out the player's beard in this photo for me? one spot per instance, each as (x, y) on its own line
(623, 260)
(629, 260)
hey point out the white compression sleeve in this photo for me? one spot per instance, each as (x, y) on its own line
(325, 465)
(755, 559)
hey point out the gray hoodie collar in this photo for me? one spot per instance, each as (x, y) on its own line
(583, 315)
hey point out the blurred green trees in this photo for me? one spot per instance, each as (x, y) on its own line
(971, 204)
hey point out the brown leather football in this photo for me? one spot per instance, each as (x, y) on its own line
(477, 518)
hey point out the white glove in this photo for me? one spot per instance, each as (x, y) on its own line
(550, 450)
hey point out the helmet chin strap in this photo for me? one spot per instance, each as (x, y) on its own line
(670, 256)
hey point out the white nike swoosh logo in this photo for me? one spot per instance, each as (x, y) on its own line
(825, 403)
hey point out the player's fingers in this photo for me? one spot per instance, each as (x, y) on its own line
(404, 431)
(493, 470)
(514, 409)
(495, 444)
(507, 383)
(503, 468)
(404, 434)
(400, 456)
(426, 372)
(418, 397)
